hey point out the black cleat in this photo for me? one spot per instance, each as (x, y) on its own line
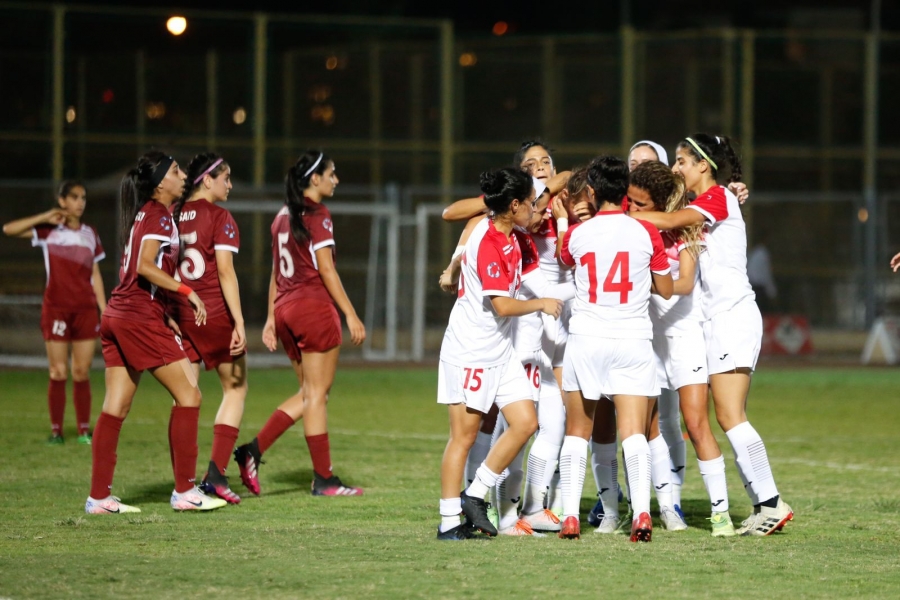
(475, 510)
(248, 459)
(216, 484)
(458, 533)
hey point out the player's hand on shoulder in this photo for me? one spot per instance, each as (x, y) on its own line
(739, 189)
(55, 216)
(552, 307)
(268, 335)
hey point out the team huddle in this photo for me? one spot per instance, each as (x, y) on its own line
(177, 305)
(593, 306)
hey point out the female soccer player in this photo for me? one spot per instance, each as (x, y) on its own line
(303, 292)
(72, 296)
(209, 240)
(733, 331)
(478, 364)
(609, 352)
(136, 338)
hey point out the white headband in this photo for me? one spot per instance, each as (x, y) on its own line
(315, 164)
(539, 187)
(660, 151)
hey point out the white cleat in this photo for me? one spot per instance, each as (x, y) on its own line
(767, 520)
(608, 524)
(520, 528)
(671, 520)
(542, 520)
(194, 499)
(107, 506)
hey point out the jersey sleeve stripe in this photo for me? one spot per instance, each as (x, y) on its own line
(504, 293)
(153, 236)
(705, 213)
(663, 272)
(226, 247)
(100, 257)
(322, 245)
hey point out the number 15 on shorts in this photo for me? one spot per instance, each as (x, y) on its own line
(473, 379)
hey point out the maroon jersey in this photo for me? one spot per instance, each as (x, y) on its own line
(135, 298)
(69, 257)
(297, 270)
(204, 228)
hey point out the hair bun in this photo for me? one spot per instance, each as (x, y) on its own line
(491, 182)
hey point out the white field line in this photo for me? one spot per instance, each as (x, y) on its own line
(837, 466)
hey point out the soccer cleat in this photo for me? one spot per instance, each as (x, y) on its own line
(216, 484)
(624, 525)
(521, 527)
(84, 439)
(248, 460)
(671, 520)
(107, 506)
(767, 520)
(475, 510)
(332, 487)
(460, 532)
(195, 499)
(722, 525)
(680, 512)
(543, 520)
(571, 529)
(608, 524)
(595, 516)
(56, 440)
(748, 522)
(493, 515)
(642, 528)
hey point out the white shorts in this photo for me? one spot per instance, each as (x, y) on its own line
(479, 387)
(681, 359)
(534, 367)
(605, 366)
(556, 334)
(733, 338)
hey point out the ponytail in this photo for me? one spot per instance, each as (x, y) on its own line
(296, 181)
(137, 189)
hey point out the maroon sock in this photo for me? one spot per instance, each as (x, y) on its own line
(184, 445)
(277, 424)
(103, 449)
(224, 438)
(56, 400)
(320, 451)
(171, 445)
(81, 393)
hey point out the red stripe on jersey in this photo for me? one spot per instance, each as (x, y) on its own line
(659, 262)
(712, 203)
(565, 255)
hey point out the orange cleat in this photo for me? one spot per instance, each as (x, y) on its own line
(571, 529)
(641, 528)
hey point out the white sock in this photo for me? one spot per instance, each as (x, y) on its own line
(485, 479)
(753, 462)
(450, 509)
(509, 491)
(661, 471)
(670, 427)
(555, 491)
(605, 466)
(477, 454)
(542, 461)
(572, 465)
(637, 461)
(713, 474)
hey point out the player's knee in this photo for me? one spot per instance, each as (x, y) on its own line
(58, 371)
(80, 373)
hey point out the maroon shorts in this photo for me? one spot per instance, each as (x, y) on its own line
(307, 326)
(69, 326)
(140, 345)
(210, 343)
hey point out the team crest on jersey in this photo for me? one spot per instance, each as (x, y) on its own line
(229, 230)
(326, 223)
(493, 270)
(164, 223)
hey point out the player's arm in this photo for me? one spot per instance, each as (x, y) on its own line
(666, 221)
(687, 274)
(97, 284)
(230, 290)
(464, 209)
(21, 228)
(505, 306)
(268, 335)
(449, 279)
(663, 284)
(332, 281)
(146, 268)
(740, 191)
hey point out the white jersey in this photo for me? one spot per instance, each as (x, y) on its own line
(491, 266)
(613, 255)
(678, 314)
(724, 264)
(545, 241)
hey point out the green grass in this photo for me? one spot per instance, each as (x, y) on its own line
(831, 436)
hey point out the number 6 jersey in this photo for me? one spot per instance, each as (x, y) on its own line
(613, 255)
(296, 267)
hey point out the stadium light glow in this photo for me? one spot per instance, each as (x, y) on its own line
(468, 59)
(70, 114)
(176, 25)
(240, 115)
(500, 28)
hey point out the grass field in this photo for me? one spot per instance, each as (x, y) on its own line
(831, 436)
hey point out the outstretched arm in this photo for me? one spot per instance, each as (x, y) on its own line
(21, 228)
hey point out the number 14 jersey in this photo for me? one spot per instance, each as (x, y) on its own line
(613, 255)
